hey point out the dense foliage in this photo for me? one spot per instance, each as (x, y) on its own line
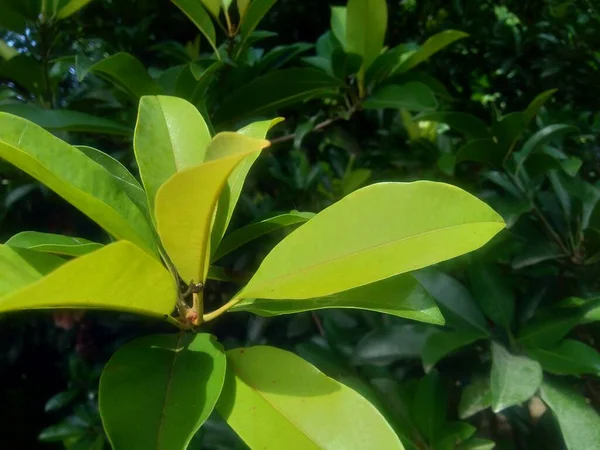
(498, 98)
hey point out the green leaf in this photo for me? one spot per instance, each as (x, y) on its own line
(400, 296)
(170, 136)
(75, 177)
(272, 91)
(458, 306)
(213, 7)
(156, 391)
(65, 120)
(345, 64)
(185, 204)
(274, 398)
(441, 344)
(413, 96)
(476, 397)
(514, 379)
(579, 422)
(567, 358)
(339, 24)
(386, 345)
(429, 406)
(508, 130)
(430, 47)
(547, 329)
(359, 240)
(452, 434)
(386, 62)
(25, 71)
(476, 444)
(194, 10)
(254, 14)
(255, 230)
(71, 8)
(537, 103)
(21, 267)
(6, 51)
(53, 243)
(492, 294)
(481, 150)
(365, 29)
(242, 6)
(118, 277)
(128, 73)
(535, 253)
(468, 124)
(233, 189)
(542, 137)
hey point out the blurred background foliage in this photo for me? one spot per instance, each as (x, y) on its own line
(531, 291)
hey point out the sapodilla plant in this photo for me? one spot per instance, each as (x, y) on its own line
(157, 390)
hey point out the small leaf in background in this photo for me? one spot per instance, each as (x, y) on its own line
(186, 202)
(128, 73)
(413, 96)
(241, 236)
(476, 397)
(274, 90)
(254, 14)
(535, 253)
(429, 406)
(274, 398)
(194, 10)
(536, 142)
(156, 391)
(568, 358)
(514, 379)
(508, 129)
(365, 28)
(365, 237)
(430, 47)
(71, 7)
(492, 294)
(485, 151)
(468, 124)
(476, 444)
(536, 104)
(549, 328)
(21, 267)
(25, 71)
(400, 296)
(452, 434)
(65, 120)
(458, 306)
(53, 243)
(442, 343)
(60, 400)
(242, 6)
(579, 422)
(170, 135)
(391, 343)
(118, 277)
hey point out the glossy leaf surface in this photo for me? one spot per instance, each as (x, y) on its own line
(156, 391)
(75, 177)
(400, 296)
(274, 398)
(366, 237)
(118, 277)
(185, 205)
(53, 243)
(170, 136)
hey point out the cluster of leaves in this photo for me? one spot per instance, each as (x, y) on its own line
(508, 350)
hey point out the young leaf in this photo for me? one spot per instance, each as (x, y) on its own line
(128, 73)
(21, 267)
(185, 205)
(400, 296)
(579, 422)
(442, 343)
(514, 379)
(366, 238)
(53, 243)
(156, 391)
(366, 27)
(492, 294)
(568, 358)
(118, 277)
(275, 399)
(254, 14)
(458, 306)
(194, 10)
(412, 96)
(255, 230)
(468, 124)
(170, 136)
(476, 397)
(75, 177)
(232, 191)
(272, 91)
(536, 104)
(65, 120)
(429, 48)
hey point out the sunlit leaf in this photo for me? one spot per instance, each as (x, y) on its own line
(194, 10)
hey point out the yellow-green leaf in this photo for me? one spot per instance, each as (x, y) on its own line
(71, 8)
(275, 399)
(74, 176)
(185, 204)
(372, 234)
(170, 135)
(53, 243)
(366, 27)
(118, 277)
